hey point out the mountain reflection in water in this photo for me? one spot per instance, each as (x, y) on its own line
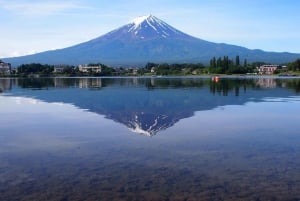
(150, 105)
(235, 139)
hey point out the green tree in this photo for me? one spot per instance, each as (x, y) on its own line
(35, 68)
(213, 63)
(237, 60)
(294, 66)
(245, 63)
(150, 65)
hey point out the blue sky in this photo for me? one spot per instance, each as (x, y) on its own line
(29, 26)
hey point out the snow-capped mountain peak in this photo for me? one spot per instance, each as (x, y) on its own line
(150, 26)
(139, 20)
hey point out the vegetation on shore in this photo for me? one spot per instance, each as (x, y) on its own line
(217, 66)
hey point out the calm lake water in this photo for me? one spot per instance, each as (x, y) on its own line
(69, 139)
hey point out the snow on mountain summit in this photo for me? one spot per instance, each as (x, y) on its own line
(137, 21)
(147, 27)
(150, 26)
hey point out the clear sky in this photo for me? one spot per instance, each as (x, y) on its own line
(29, 26)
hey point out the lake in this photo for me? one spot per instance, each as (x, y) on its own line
(69, 139)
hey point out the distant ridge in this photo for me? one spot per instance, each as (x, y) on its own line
(148, 39)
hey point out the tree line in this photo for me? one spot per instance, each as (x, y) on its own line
(226, 65)
(220, 65)
(45, 70)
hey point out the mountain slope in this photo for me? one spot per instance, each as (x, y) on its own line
(148, 39)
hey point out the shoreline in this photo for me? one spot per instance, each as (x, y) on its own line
(162, 76)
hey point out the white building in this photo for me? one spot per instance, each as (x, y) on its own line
(153, 69)
(267, 69)
(59, 68)
(5, 68)
(86, 69)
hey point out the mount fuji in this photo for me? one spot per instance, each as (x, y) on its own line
(148, 39)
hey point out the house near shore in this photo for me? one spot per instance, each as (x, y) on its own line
(59, 68)
(87, 68)
(268, 69)
(153, 69)
(5, 68)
